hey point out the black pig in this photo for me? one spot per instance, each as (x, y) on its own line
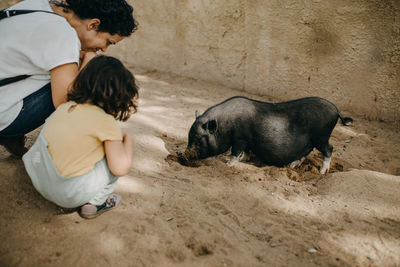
(277, 133)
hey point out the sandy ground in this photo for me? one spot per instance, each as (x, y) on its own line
(213, 214)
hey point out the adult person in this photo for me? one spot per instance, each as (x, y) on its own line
(51, 47)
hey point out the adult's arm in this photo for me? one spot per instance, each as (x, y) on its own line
(61, 79)
(62, 76)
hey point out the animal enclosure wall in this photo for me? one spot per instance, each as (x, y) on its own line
(347, 51)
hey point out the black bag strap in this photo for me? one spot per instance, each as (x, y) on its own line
(10, 13)
(13, 79)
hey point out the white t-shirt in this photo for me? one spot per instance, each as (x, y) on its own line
(32, 44)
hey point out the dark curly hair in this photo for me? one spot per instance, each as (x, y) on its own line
(115, 15)
(106, 83)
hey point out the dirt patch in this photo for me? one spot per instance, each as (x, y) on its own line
(213, 214)
(307, 170)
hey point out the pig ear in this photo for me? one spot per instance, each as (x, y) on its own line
(210, 126)
(196, 114)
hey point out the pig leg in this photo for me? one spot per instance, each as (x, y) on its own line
(296, 163)
(326, 151)
(325, 165)
(235, 159)
(238, 153)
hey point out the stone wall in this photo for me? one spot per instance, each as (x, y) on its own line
(347, 51)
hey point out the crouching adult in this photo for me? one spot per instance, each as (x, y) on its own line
(43, 49)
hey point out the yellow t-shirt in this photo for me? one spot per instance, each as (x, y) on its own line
(75, 134)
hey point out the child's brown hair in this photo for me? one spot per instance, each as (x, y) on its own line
(106, 83)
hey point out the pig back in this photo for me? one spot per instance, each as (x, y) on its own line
(310, 113)
(232, 113)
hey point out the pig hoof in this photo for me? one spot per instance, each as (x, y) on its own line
(296, 163)
(232, 162)
(325, 165)
(235, 159)
(322, 171)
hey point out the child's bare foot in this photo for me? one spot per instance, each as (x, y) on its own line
(90, 211)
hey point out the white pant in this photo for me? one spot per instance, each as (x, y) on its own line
(93, 187)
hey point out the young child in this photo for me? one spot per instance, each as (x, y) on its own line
(81, 151)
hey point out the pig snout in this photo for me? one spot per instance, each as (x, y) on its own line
(187, 157)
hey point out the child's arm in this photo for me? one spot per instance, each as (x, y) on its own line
(119, 155)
